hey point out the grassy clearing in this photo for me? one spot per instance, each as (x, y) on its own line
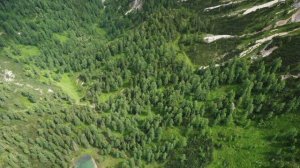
(103, 97)
(172, 132)
(182, 56)
(154, 165)
(220, 92)
(108, 161)
(27, 51)
(69, 86)
(101, 32)
(61, 37)
(14, 101)
(248, 147)
(21, 51)
(240, 147)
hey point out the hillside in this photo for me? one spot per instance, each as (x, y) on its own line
(149, 83)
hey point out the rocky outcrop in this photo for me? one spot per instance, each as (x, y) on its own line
(296, 16)
(137, 5)
(222, 5)
(289, 76)
(266, 53)
(8, 76)
(213, 38)
(265, 5)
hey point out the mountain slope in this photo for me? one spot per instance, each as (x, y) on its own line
(149, 83)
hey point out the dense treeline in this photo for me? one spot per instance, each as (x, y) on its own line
(162, 110)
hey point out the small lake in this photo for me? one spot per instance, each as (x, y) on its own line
(85, 161)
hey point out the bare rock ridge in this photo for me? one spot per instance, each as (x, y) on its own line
(222, 5)
(213, 38)
(265, 5)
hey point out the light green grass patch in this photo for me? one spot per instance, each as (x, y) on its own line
(220, 92)
(21, 51)
(69, 86)
(27, 51)
(251, 145)
(61, 37)
(172, 132)
(154, 165)
(180, 54)
(247, 150)
(108, 161)
(103, 97)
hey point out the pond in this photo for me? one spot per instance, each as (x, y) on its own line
(86, 161)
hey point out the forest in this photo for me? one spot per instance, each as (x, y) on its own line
(143, 90)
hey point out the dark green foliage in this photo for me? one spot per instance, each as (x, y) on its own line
(139, 102)
(29, 96)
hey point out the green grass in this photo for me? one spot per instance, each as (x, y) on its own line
(101, 32)
(246, 151)
(69, 86)
(29, 50)
(103, 97)
(61, 37)
(21, 51)
(108, 161)
(251, 145)
(180, 54)
(154, 165)
(220, 92)
(172, 132)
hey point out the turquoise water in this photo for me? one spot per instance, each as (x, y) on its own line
(85, 162)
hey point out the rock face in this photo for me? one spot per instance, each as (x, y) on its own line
(137, 4)
(293, 19)
(265, 5)
(259, 42)
(265, 53)
(218, 6)
(213, 38)
(296, 5)
(222, 5)
(296, 16)
(285, 77)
